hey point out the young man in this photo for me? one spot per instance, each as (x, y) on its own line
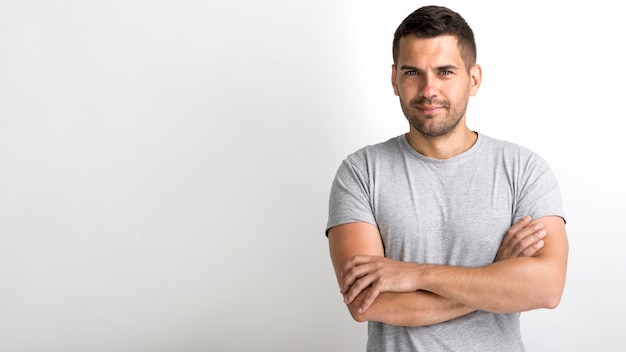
(441, 236)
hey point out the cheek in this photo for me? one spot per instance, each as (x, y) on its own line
(459, 94)
(406, 90)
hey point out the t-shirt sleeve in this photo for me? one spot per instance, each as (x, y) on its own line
(350, 196)
(538, 194)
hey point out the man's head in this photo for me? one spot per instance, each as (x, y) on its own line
(435, 21)
(435, 71)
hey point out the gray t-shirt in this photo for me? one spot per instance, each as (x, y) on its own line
(452, 211)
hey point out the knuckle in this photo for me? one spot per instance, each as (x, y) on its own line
(518, 236)
(358, 285)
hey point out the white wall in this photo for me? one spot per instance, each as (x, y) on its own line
(165, 165)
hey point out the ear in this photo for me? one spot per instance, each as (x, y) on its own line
(476, 76)
(393, 80)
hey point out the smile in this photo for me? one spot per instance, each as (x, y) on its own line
(429, 110)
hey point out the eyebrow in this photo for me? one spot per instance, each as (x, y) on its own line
(439, 68)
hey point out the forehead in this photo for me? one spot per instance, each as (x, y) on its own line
(441, 49)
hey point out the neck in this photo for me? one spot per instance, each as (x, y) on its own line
(442, 147)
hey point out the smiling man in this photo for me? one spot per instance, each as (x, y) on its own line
(440, 237)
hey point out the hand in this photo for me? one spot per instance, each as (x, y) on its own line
(523, 239)
(382, 274)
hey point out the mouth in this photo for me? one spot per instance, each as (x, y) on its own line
(429, 109)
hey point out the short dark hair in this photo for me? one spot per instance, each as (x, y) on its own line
(434, 21)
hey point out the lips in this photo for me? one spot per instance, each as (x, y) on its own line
(430, 109)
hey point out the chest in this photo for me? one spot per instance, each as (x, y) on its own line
(444, 216)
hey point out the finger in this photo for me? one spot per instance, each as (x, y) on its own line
(527, 242)
(526, 245)
(355, 262)
(533, 249)
(356, 288)
(348, 281)
(535, 243)
(521, 223)
(517, 227)
(520, 242)
(524, 237)
(353, 275)
(370, 297)
(350, 271)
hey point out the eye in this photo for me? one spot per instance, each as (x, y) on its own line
(411, 73)
(446, 72)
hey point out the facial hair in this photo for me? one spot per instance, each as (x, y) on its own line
(431, 125)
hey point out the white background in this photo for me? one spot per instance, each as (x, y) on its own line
(165, 165)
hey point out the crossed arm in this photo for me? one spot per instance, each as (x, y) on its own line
(528, 273)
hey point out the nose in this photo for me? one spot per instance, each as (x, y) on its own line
(429, 87)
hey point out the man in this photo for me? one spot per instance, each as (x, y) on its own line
(441, 236)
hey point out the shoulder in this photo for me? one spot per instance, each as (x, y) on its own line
(506, 149)
(378, 152)
(501, 144)
(514, 158)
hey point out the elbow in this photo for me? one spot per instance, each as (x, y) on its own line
(553, 286)
(552, 298)
(552, 301)
(526, 303)
(553, 304)
(355, 306)
(358, 316)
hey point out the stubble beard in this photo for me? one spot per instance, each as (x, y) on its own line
(427, 125)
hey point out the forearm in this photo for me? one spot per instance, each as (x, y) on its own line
(417, 308)
(511, 285)
(514, 285)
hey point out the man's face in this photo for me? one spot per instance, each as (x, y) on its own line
(433, 84)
